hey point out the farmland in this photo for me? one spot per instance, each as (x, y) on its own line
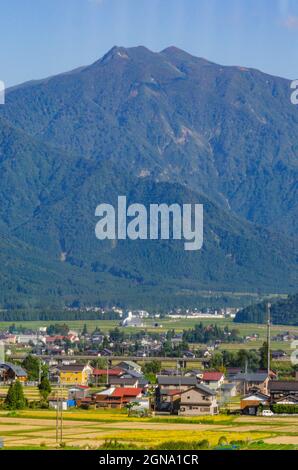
(94, 428)
(178, 325)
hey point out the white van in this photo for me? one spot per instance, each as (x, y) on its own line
(267, 413)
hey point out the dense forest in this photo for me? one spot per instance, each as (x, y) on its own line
(207, 333)
(56, 315)
(283, 312)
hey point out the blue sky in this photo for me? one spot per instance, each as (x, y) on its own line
(44, 37)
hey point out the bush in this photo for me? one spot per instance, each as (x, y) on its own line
(222, 441)
(239, 443)
(115, 445)
(284, 409)
(183, 445)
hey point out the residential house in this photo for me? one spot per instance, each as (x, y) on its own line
(75, 374)
(132, 382)
(167, 400)
(78, 392)
(198, 400)
(232, 371)
(245, 381)
(288, 400)
(117, 397)
(12, 372)
(103, 375)
(142, 381)
(213, 379)
(251, 402)
(27, 338)
(282, 389)
(194, 373)
(178, 382)
(129, 365)
(54, 403)
(227, 392)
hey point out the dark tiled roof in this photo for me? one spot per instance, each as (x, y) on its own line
(18, 370)
(205, 389)
(201, 388)
(283, 386)
(251, 377)
(177, 380)
(122, 381)
(228, 386)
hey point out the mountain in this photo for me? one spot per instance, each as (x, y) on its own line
(157, 127)
(283, 312)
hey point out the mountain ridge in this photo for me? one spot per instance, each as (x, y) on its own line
(134, 120)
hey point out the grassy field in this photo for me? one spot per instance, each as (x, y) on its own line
(245, 329)
(81, 429)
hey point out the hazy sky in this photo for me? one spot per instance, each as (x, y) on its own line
(44, 37)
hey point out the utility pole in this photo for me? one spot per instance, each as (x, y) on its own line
(107, 372)
(59, 414)
(268, 337)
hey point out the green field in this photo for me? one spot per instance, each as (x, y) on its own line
(245, 329)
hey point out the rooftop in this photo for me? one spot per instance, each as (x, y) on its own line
(251, 376)
(111, 372)
(283, 386)
(177, 380)
(212, 376)
(126, 392)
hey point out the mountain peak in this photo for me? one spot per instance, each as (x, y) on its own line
(115, 52)
(120, 52)
(174, 52)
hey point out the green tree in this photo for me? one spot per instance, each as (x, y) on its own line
(129, 406)
(15, 399)
(263, 351)
(216, 360)
(44, 388)
(152, 367)
(32, 365)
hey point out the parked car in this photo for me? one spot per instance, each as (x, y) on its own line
(267, 413)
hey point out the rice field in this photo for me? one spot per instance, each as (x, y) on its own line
(93, 428)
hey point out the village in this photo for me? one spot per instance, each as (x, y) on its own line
(193, 392)
(148, 371)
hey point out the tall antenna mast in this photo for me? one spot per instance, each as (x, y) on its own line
(268, 337)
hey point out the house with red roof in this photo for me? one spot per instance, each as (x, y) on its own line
(117, 397)
(213, 380)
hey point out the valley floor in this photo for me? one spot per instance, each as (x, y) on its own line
(93, 428)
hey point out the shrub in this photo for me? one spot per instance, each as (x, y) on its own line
(286, 409)
(222, 441)
(184, 445)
